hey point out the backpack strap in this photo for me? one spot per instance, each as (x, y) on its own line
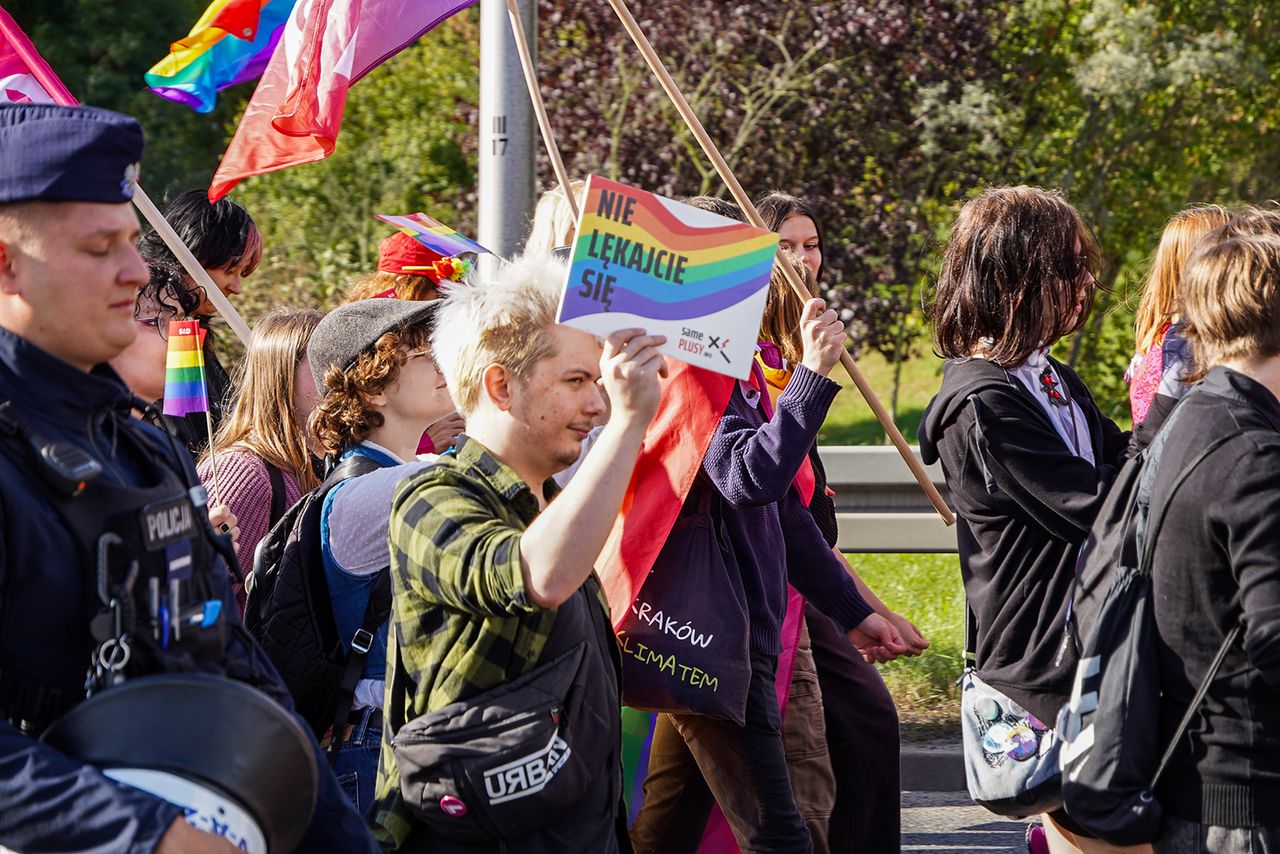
(361, 642)
(1147, 552)
(375, 612)
(1194, 706)
(277, 494)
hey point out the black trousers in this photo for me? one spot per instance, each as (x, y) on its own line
(744, 768)
(862, 735)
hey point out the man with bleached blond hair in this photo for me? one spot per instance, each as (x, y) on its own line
(495, 598)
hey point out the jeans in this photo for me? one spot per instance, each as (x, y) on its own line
(357, 763)
(744, 767)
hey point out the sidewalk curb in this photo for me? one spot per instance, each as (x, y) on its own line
(932, 767)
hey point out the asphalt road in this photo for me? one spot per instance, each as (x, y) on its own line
(948, 821)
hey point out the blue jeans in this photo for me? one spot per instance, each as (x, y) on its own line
(357, 763)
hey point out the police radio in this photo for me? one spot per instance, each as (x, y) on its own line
(63, 467)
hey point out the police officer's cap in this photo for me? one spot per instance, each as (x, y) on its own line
(355, 328)
(51, 153)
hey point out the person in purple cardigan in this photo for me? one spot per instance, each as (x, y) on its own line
(751, 463)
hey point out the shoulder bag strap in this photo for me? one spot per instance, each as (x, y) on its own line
(400, 686)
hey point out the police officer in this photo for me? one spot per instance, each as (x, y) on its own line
(104, 537)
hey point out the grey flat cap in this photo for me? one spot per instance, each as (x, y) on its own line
(354, 328)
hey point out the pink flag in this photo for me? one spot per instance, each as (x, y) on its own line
(327, 46)
(24, 75)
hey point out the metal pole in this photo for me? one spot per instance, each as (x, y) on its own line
(507, 147)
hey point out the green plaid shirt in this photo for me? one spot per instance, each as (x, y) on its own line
(458, 603)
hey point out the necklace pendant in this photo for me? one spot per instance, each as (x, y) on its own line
(1049, 385)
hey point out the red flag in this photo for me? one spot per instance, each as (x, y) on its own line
(693, 400)
(24, 75)
(296, 112)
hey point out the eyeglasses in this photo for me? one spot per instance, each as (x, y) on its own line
(424, 352)
(158, 323)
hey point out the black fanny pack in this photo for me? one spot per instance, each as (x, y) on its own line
(505, 762)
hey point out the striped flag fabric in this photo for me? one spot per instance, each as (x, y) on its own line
(326, 47)
(24, 75)
(231, 43)
(184, 386)
(434, 235)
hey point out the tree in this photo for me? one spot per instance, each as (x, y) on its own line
(101, 58)
(1138, 110)
(818, 99)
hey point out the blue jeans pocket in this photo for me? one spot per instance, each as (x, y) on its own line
(350, 785)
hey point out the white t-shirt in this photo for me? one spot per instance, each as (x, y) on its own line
(1068, 420)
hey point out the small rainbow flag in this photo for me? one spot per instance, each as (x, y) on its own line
(184, 388)
(231, 43)
(435, 235)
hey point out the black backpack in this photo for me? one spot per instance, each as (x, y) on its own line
(289, 612)
(1111, 758)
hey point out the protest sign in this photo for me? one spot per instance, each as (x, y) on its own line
(696, 277)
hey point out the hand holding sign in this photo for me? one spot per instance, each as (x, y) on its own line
(694, 277)
(629, 369)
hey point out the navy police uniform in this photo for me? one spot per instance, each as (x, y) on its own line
(80, 571)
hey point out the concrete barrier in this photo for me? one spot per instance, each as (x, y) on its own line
(879, 505)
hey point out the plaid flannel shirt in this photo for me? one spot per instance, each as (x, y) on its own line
(460, 614)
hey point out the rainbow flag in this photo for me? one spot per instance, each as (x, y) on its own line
(231, 43)
(184, 388)
(435, 235)
(295, 114)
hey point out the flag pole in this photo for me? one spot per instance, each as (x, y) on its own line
(208, 422)
(184, 255)
(668, 84)
(540, 108)
(58, 91)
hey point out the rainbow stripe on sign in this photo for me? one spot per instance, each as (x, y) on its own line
(708, 269)
(184, 388)
(434, 235)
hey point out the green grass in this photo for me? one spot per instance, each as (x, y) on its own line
(850, 421)
(926, 589)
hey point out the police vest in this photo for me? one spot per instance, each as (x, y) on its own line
(146, 552)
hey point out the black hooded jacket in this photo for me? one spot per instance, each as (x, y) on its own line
(1025, 504)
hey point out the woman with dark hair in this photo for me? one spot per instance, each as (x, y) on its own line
(798, 227)
(228, 245)
(1026, 452)
(860, 717)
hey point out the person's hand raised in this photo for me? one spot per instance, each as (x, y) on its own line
(822, 336)
(629, 369)
(444, 432)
